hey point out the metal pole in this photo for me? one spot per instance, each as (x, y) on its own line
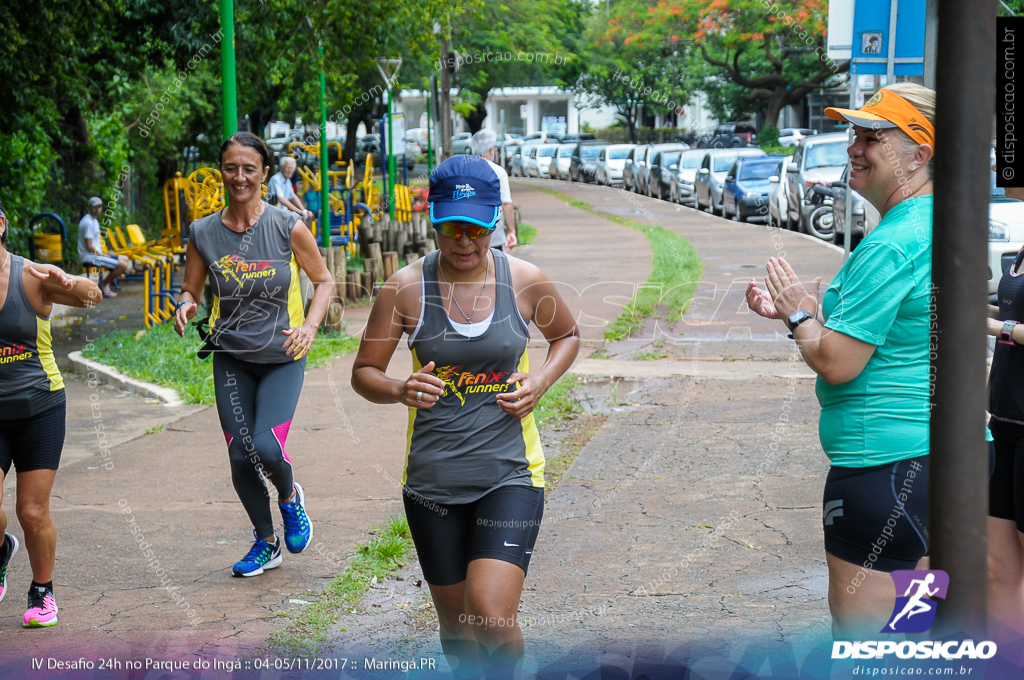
(931, 29)
(430, 149)
(446, 100)
(325, 186)
(391, 161)
(890, 60)
(958, 505)
(229, 102)
(848, 214)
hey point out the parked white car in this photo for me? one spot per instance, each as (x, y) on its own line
(1005, 232)
(777, 194)
(520, 158)
(610, 163)
(819, 159)
(561, 161)
(540, 158)
(793, 136)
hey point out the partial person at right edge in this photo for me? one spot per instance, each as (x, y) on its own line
(90, 248)
(484, 144)
(1006, 427)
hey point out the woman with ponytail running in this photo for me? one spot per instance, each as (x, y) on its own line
(252, 253)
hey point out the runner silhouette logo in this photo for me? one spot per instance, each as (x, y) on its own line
(913, 613)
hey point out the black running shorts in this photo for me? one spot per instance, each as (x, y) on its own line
(1006, 484)
(502, 525)
(877, 517)
(33, 443)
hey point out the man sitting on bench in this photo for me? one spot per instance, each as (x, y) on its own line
(90, 248)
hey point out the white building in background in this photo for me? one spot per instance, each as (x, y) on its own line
(540, 109)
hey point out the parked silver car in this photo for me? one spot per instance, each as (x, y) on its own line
(682, 188)
(560, 162)
(863, 215)
(631, 170)
(520, 159)
(460, 143)
(610, 163)
(710, 179)
(642, 170)
(818, 160)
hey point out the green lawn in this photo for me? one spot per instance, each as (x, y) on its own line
(162, 358)
(389, 548)
(671, 284)
(526, 234)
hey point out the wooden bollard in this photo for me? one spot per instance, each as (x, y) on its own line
(367, 284)
(338, 272)
(390, 264)
(376, 257)
(410, 258)
(353, 280)
(400, 240)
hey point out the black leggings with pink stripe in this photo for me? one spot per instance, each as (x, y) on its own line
(256, 403)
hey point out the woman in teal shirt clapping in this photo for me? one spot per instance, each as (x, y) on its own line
(869, 345)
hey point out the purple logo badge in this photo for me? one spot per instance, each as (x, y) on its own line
(913, 613)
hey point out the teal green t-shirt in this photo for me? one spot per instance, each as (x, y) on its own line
(881, 296)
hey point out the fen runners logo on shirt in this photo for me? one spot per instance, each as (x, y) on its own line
(14, 352)
(234, 267)
(912, 612)
(463, 383)
(463, 191)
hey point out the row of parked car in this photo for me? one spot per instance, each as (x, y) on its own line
(734, 182)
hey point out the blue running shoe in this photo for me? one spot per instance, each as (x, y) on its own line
(298, 530)
(261, 556)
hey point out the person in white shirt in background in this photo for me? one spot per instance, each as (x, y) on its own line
(280, 185)
(90, 247)
(483, 144)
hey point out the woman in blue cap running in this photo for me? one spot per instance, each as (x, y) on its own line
(473, 484)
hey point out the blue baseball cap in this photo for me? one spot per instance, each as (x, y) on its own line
(465, 188)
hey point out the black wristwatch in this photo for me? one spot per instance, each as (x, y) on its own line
(1006, 335)
(797, 318)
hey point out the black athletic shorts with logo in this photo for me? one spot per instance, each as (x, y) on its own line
(877, 517)
(502, 525)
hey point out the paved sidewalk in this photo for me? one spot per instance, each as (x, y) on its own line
(682, 528)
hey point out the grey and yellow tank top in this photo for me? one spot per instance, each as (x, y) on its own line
(465, 446)
(26, 355)
(255, 281)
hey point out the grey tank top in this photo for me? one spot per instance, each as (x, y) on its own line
(26, 356)
(465, 446)
(255, 281)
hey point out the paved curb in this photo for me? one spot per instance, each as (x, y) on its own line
(108, 375)
(711, 370)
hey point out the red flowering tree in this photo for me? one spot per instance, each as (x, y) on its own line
(775, 49)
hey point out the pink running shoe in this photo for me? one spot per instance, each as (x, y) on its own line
(42, 608)
(11, 544)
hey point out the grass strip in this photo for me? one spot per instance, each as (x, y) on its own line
(389, 548)
(526, 234)
(673, 279)
(558, 403)
(160, 357)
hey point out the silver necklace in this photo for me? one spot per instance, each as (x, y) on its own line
(5, 261)
(451, 289)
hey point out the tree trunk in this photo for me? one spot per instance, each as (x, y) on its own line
(351, 125)
(775, 105)
(475, 120)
